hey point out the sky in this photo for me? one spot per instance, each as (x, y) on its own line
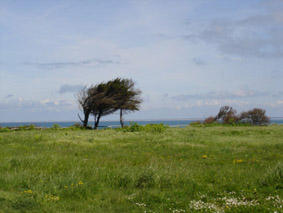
(188, 57)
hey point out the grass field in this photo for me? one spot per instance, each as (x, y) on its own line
(192, 169)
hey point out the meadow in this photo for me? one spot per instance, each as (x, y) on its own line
(191, 169)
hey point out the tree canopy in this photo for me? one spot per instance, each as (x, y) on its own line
(106, 98)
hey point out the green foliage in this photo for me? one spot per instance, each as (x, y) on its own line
(5, 129)
(107, 97)
(38, 137)
(26, 127)
(274, 177)
(196, 123)
(135, 127)
(76, 127)
(56, 126)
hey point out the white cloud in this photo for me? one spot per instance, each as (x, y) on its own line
(257, 35)
(21, 104)
(19, 99)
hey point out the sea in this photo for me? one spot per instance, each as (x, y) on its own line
(115, 124)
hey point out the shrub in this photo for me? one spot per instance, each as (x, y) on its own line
(56, 126)
(26, 127)
(209, 120)
(135, 127)
(5, 129)
(256, 116)
(195, 123)
(78, 125)
(155, 128)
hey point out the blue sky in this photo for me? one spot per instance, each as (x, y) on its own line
(189, 58)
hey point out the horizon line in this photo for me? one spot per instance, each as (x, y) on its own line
(157, 119)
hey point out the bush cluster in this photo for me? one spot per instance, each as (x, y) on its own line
(135, 127)
(228, 115)
(22, 127)
(56, 126)
(4, 129)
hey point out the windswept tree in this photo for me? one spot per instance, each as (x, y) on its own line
(227, 114)
(84, 101)
(106, 98)
(127, 97)
(103, 102)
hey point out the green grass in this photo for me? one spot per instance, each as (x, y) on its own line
(193, 169)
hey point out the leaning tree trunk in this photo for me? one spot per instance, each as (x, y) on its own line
(97, 121)
(85, 121)
(121, 118)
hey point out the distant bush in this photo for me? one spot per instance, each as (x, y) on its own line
(56, 126)
(5, 129)
(26, 127)
(155, 128)
(196, 123)
(227, 115)
(209, 120)
(78, 125)
(255, 116)
(135, 127)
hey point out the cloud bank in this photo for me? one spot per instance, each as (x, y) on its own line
(259, 35)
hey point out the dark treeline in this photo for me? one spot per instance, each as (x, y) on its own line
(108, 97)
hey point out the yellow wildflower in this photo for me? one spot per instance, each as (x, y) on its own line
(80, 182)
(28, 191)
(238, 161)
(51, 197)
(55, 198)
(204, 156)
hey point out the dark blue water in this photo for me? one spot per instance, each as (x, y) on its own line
(111, 123)
(101, 123)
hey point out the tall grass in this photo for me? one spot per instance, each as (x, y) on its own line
(217, 169)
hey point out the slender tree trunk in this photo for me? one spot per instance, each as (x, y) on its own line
(85, 121)
(121, 118)
(94, 121)
(97, 121)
